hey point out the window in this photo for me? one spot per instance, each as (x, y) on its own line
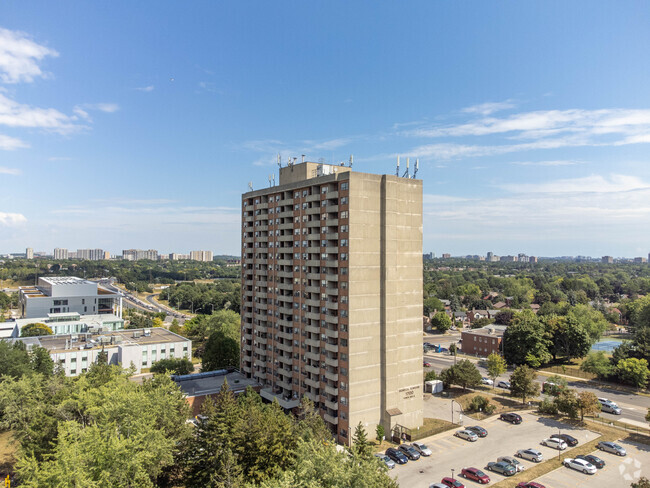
(344, 186)
(344, 271)
(343, 256)
(344, 200)
(344, 228)
(344, 243)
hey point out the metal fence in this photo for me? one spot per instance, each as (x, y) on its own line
(621, 425)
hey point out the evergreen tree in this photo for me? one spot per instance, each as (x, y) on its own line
(361, 448)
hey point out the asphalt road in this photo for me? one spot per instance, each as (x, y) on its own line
(634, 406)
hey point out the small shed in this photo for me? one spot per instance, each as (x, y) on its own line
(434, 386)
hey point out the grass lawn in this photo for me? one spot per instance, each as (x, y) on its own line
(606, 432)
(430, 427)
(502, 401)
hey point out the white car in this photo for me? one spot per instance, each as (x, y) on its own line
(487, 381)
(422, 448)
(467, 435)
(580, 465)
(504, 384)
(531, 454)
(558, 444)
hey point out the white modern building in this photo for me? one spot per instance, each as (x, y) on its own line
(55, 295)
(139, 254)
(60, 253)
(29, 253)
(74, 323)
(137, 348)
(205, 256)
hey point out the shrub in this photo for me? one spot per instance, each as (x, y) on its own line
(481, 404)
(548, 406)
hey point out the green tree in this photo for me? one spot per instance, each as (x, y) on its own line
(381, 432)
(361, 449)
(482, 322)
(524, 341)
(597, 363)
(522, 383)
(588, 404)
(35, 329)
(177, 366)
(220, 351)
(441, 321)
(453, 350)
(496, 366)
(464, 374)
(14, 360)
(310, 425)
(633, 371)
(41, 361)
(430, 376)
(432, 305)
(568, 338)
(567, 402)
(642, 483)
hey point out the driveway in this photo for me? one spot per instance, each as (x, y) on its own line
(618, 471)
(504, 439)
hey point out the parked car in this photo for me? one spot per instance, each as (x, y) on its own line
(530, 484)
(554, 443)
(468, 435)
(510, 460)
(475, 474)
(513, 418)
(396, 455)
(530, 454)
(451, 483)
(611, 408)
(438, 485)
(502, 468)
(504, 384)
(595, 460)
(570, 440)
(422, 448)
(478, 430)
(410, 452)
(487, 381)
(612, 448)
(580, 465)
(425, 364)
(390, 464)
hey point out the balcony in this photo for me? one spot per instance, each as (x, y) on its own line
(330, 420)
(312, 369)
(285, 402)
(332, 347)
(331, 376)
(331, 405)
(331, 390)
(314, 343)
(333, 334)
(332, 362)
(314, 356)
(312, 383)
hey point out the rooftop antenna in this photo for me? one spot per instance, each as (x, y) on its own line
(273, 179)
(294, 161)
(270, 180)
(279, 161)
(397, 170)
(406, 173)
(351, 160)
(303, 159)
(250, 185)
(417, 166)
(289, 161)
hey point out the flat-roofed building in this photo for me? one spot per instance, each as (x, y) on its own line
(67, 294)
(332, 295)
(60, 253)
(139, 254)
(139, 348)
(205, 256)
(484, 341)
(74, 323)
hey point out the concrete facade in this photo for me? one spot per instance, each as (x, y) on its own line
(67, 295)
(74, 323)
(332, 295)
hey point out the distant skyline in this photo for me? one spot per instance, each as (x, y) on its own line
(139, 125)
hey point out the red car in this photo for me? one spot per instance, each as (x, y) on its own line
(426, 365)
(452, 483)
(530, 484)
(475, 474)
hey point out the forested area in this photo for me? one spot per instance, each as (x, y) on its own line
(204, 298)
(102, 429)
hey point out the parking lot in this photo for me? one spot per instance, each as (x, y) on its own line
(618, 471)
(504, 439)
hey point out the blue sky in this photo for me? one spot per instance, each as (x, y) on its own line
(139, 124)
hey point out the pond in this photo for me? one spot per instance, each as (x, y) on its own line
(606, 345)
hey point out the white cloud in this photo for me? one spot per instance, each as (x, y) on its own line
(14, 114)
(83, 109)
(489, 107)
(11, 219)
(147, 89)
(9, 171)
(10, 143)
(19, 57)
(588, 184)
(547, 163)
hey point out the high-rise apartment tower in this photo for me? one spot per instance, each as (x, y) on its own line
(332, 295)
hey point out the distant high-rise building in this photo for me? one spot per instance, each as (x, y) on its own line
(509, 259)
(607, 259)
(640, 260)
(332, 295)
(205, 256)
(446, 256)
(139, 254)
(90, 254)
(107, 255)
(29, 253)
(60, 253)
(490, 255)
(532, 259)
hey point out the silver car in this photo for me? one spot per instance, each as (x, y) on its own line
(422, 448)
(612, 448)
(530, 454)
(554, 443)
(510, 460)
(467, 435)
(390, 464)
(580, 465)
(503, 384)
(611, 408)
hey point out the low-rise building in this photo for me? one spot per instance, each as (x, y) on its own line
(484, 341)
(74, 323)
(137, 348)
(67, 295)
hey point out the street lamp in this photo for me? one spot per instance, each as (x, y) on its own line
(560, 439)
(452, 474)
